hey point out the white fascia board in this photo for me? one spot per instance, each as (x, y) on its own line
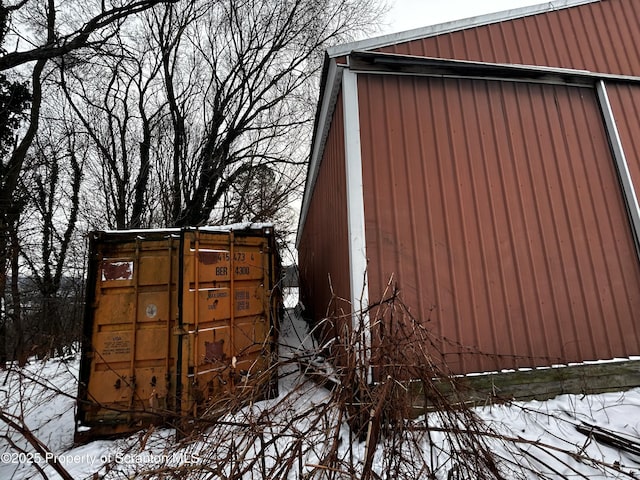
(355, 192)
(355, 219)
(449, 27)
(325, 115)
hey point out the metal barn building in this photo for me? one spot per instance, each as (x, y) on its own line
(490, 167)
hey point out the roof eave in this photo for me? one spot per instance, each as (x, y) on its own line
(456, 25)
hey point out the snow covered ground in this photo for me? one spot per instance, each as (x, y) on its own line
(294, 435)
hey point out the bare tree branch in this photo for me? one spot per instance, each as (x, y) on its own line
(36, 444)
(58, 46)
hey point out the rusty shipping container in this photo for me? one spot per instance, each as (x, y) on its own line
(175, 318)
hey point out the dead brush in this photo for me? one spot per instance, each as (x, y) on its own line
(400, 376)
(396, 412)
(412, 417)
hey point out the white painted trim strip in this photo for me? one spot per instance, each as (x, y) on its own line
(355, 214)
(624, 174)
(456, 25)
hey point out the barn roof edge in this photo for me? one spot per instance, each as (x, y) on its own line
(453, 26)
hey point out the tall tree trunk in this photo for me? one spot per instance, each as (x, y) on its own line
(8, 214)
(3, 299)
(19, 351)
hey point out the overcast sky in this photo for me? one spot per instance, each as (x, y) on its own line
(408, 14)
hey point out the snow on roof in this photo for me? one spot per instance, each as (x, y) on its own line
(235, 227)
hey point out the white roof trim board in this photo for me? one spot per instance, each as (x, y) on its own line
(456, 25)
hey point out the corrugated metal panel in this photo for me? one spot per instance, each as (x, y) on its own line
(452, 26)
(599, 36)
(625, 103)
(174, 320)
(323, 253)
(497, 208)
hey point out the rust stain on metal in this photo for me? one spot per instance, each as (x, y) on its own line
(117, 270)
(214, 351)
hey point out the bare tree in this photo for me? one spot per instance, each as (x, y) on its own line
(256, 63)
(50, 30)
(206, 107)
(86, 25)
(115, 113)
(195, 112)
(53, 192)
(256, 196)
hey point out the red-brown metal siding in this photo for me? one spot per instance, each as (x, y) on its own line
(496, 207)
(600, 37)
(625, 103)
(323, 251)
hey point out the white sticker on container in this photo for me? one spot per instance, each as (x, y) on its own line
(152, 310)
